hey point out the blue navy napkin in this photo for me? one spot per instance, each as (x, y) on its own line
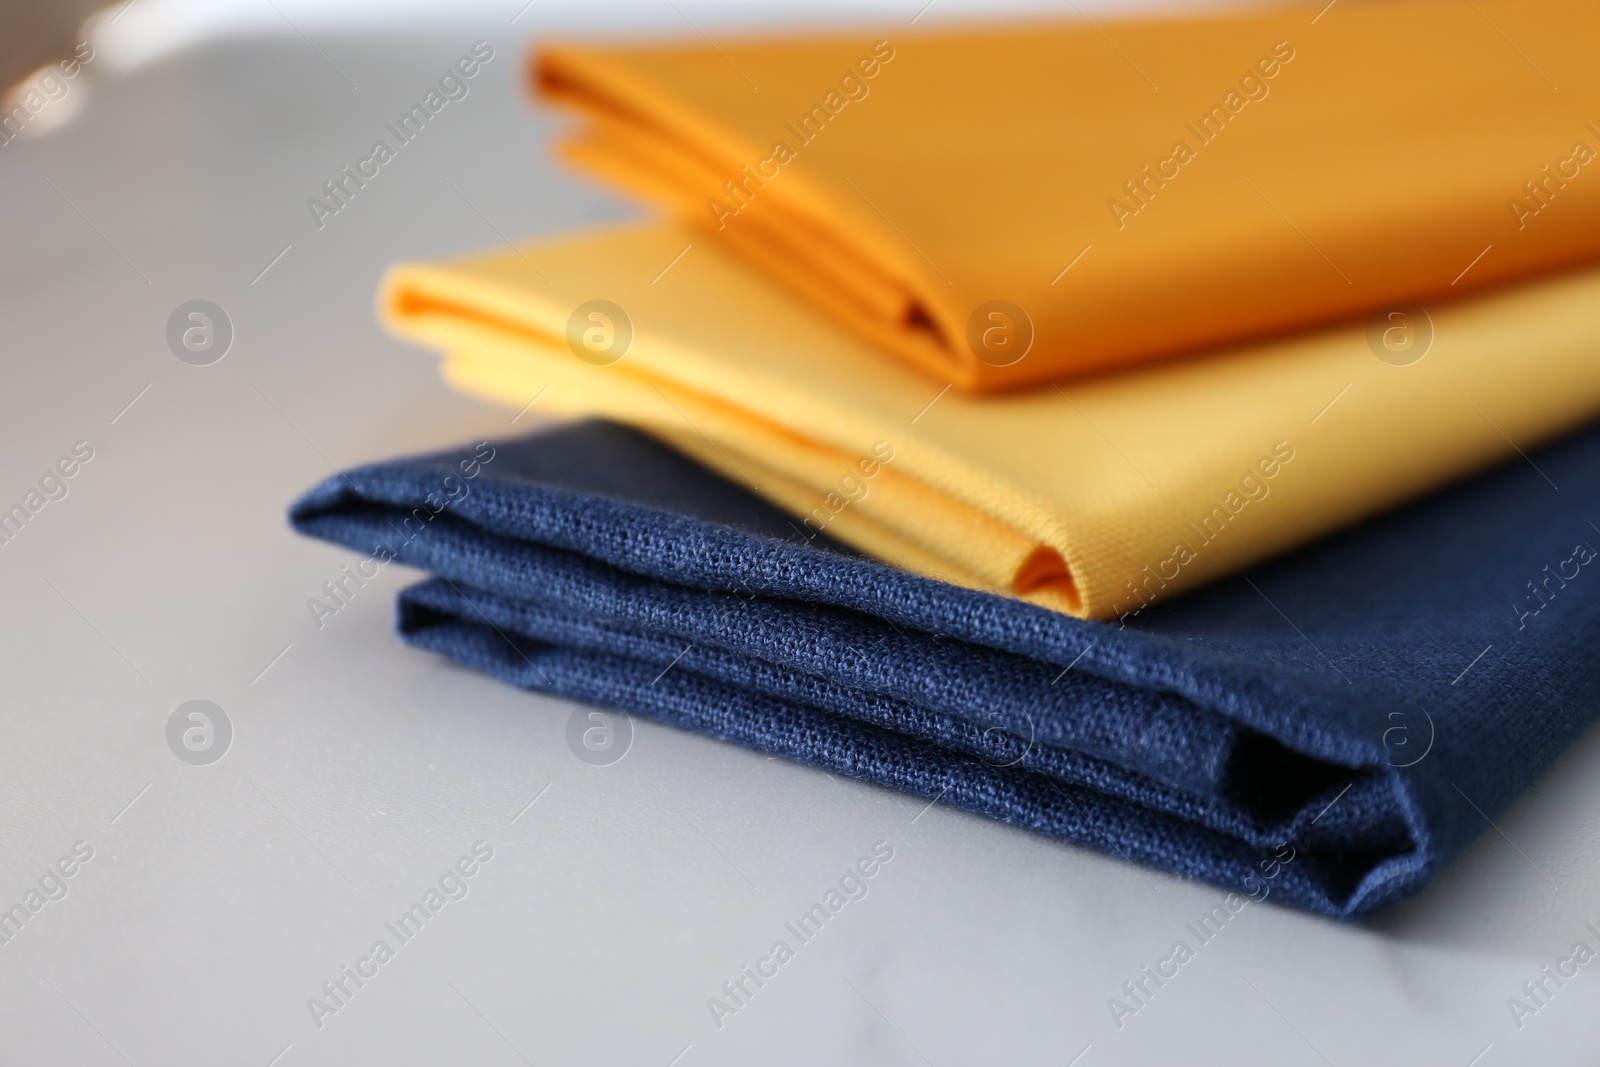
(1328, 729)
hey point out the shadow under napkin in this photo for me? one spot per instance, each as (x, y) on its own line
(1361, 707)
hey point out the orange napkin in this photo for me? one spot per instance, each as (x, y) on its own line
(1006, 206)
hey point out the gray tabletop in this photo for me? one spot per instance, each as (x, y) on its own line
(180, 908)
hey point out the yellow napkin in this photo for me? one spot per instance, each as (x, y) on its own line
(1093, 497)
(1013, 205)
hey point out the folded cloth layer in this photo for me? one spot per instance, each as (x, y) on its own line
(1330, 730)
(1095, 499)
(1007, 205)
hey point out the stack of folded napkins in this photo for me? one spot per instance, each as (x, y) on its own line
(957, 357)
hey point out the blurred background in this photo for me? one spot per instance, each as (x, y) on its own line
(210, 903)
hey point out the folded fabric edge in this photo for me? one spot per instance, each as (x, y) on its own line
(501, 341)
(431, 306)
(834, 248)
(1333, 880)
(878, 591)
(883, 296)
(1266, 763)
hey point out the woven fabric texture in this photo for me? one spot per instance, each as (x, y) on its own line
(1363, 706)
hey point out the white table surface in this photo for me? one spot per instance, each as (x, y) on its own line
(219, 898)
